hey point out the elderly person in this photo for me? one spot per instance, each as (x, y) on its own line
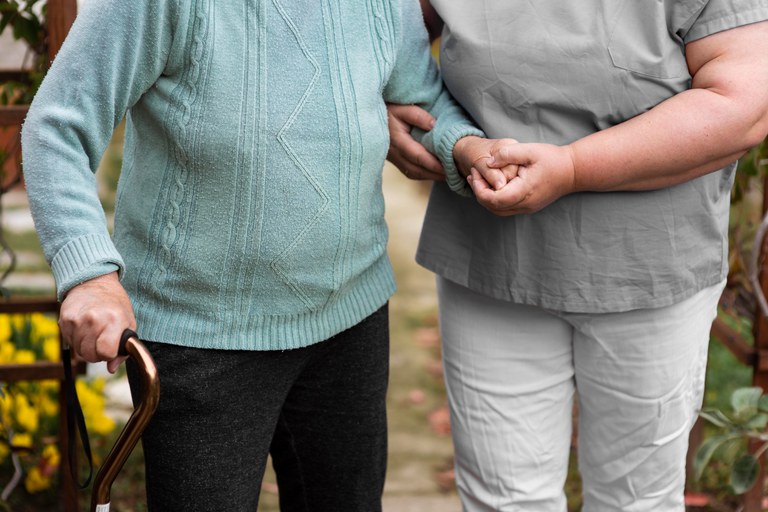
(249, 248)
(591, 258)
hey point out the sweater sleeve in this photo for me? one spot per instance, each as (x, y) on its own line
(415, 80)
(114, 52)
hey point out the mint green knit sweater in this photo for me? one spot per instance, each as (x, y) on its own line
(249, 210)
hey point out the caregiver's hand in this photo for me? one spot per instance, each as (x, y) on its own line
(542, 174)
(408, 155)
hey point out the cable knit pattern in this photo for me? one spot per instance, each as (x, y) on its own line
(384, 50)
(173, 202)
(250, 215)
(278, 264)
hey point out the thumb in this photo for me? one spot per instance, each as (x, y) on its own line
(512, 154)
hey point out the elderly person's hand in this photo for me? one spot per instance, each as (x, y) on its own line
(93, 317)
(405, 152)
(475, 153)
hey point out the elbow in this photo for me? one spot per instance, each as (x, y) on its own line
(758, 132)
(748, 123)
(28, 128)
(757, 114)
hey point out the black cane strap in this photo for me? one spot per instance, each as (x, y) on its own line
(75, 419)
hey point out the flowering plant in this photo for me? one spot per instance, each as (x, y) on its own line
(29, 410)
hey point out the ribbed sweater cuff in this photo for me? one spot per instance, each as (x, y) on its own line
(444, 149)
(82, 259)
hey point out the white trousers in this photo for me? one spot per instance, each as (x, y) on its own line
(512, 372)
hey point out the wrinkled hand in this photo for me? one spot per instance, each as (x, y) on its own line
(545, 173)
(405, 152)
(93, 316)
(473, 152)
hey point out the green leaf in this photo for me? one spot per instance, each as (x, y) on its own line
(705, 452)
(762, 404)
(716, 417)
(757, 422)
(732, 449)
(745, 400)
(744, 474)
(4, 20)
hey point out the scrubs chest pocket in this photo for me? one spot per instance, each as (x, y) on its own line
(643, 41)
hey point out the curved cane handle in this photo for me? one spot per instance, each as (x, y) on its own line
(126, 441)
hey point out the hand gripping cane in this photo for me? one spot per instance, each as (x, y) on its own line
(126, 441)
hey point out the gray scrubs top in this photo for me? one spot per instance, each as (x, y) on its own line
(554, 71)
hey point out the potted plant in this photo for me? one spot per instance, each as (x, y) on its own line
(42, 25)
(26, 20)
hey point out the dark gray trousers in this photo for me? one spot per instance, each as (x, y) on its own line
(320, 412)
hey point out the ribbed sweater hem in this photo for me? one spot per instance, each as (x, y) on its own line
(234, 331)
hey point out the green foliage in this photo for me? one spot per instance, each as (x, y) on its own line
(744, 473)
(746, 421)
(751, 166)
(26, 19)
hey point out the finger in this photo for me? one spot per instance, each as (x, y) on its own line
(418, 155)
(510, 154)
(85, 347)
(420, 174)
(65, 330)
(115, 363)
(510, 171)
(477, 182)
(494, 177)
(78, 333)
(416, 168)
(500, 202)
(411, 115)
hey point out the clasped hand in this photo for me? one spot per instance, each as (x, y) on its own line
(510, 178)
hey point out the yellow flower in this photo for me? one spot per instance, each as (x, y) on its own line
(51, 455)
(36, 481)
(4, 451)
(17, 323)
(44, 326)
(31, 407)
(102, 424)
(6, 351)
(6, 404)
(48, 406)
(93, 402)
(21, 440)
(5, 327)
(51, 348)
(24, 357)
(26, 416)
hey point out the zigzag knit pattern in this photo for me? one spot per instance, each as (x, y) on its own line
(250, 215)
